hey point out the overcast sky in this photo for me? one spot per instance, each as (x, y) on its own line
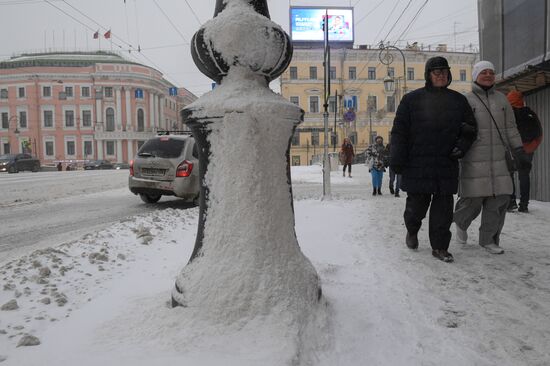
(163, 28)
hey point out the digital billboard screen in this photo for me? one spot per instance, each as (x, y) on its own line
(306, 24)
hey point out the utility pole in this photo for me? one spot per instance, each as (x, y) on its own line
(326, 64)
(335, 114)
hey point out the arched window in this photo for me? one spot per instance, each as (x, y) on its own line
(110, 119)
(140, 120)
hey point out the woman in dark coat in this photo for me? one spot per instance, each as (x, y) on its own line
(347, 154)
(434, 127)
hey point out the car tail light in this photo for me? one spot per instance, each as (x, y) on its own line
(184, 169)
(131, 168)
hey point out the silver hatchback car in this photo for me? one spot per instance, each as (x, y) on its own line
(166, 165)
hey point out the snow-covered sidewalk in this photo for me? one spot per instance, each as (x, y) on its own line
(104, 299)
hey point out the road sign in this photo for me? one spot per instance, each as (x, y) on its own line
(349, 116)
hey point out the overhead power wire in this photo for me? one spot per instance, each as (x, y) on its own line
(112, 34)
(171, 22)
(369, 13)
(137, 25)
(411, 22)
(397, 21)
(386, 22)
(193, 12)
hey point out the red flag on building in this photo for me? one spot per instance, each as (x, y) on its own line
(96, 35)
(107, 34)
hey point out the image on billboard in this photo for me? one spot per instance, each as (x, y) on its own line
(306, 24)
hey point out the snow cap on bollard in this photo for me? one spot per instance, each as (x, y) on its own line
(215, 49)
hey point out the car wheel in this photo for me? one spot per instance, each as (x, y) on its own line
(196, 200)
(13, 169)
(35, 168)
(149, 198)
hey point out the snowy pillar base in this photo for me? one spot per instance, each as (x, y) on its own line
(249, 260)
(246, 263)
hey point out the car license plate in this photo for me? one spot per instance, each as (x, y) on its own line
(153, 171)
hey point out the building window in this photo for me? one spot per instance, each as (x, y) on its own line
(333, 72)
(372, 73)
(313, 72)
(391, 72)
(293, 73)
(332, 104)
(110, 147)
(390, 103)
(23, 119)
(410, 73)
(5, 120)
(86, 118)
(70, 148)
(108, 92)
(140, 120)
(295, 100)
(6, 148)
(88, 149)
(462, 75)
(21, 92)
(85, 92)
(372, 103)
(315, 138)
(3, 93)
(296, 138)
(314, 104)
(352, 73)
(69, 118)
(69, 91)
(110, 119)
(46, 91)
(48, 118)
(49, 148)
(296, 160)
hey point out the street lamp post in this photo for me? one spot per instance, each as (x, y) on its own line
(307, 151)
(386, 58)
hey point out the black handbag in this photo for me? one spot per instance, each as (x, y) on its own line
(511, 161)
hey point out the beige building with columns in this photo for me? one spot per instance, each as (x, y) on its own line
(77, 106)
(357, 82)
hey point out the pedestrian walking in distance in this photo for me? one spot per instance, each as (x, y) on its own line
(377, 162)
(347, 154)
(485, 181)
(434, 127)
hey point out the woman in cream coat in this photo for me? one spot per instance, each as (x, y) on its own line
(485, 184)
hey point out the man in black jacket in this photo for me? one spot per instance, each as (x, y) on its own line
(434, 127)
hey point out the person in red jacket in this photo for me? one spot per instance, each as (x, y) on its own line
(347, 154)
(530, 130)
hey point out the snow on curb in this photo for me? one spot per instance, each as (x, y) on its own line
(49, 284)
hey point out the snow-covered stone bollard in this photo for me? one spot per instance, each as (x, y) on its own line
(246, 262)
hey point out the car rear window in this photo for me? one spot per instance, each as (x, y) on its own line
(164, 147)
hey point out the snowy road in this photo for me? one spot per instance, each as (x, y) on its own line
(38, 208)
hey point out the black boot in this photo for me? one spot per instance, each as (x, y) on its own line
(379, 192)
(391, 190)
(374, 191)
(411, 240)
(443, 255)
(397, 193)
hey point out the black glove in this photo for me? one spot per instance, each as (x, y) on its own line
(456, 153)
(523, 159)
(398, 169)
